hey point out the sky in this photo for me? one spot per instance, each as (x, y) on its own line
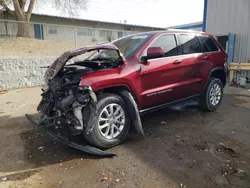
(154, 13)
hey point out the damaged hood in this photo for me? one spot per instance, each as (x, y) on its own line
(59, 63)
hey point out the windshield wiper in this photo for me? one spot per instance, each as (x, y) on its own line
(101, 59)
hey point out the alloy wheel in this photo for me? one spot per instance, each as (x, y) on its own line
(111, 121)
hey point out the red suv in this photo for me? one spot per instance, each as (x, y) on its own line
(99, 92)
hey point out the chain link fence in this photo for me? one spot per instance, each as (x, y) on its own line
(27, 46)
(77, 35)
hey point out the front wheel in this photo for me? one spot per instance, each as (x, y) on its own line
(212, 97)
(111, 122)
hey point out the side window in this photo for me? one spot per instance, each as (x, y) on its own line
(208, 44)
(168, 43)
(189, 44)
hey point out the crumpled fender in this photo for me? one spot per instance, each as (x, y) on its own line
(133, 111)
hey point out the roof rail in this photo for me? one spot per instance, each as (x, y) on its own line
(185, 30)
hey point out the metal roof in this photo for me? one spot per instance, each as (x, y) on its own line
(98, 21)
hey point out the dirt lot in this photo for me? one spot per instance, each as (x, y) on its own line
(181, 149)
(19, 46)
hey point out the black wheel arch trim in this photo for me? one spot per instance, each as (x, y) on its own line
(133, 111)
(212, 71)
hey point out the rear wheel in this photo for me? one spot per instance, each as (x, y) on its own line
(111, 123)
(212, 97)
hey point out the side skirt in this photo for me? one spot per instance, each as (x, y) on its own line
(162, 106)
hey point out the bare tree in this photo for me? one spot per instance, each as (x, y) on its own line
(70, 7)
(23, 10)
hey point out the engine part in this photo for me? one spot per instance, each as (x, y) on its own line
(92, 94)
(65, 103)
(77, 111)
(82, 98)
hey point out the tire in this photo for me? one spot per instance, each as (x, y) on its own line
(97, 137)
(211, 98)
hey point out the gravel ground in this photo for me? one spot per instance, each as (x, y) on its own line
(182, 148)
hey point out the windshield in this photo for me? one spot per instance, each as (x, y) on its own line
(130, 44)
(103, 54)
(127, 46)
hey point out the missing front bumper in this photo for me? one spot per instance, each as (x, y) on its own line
(66, 140)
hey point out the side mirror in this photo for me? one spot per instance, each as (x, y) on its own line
(155, 52)
(152, 52)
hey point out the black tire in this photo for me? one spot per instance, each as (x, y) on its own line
(95, 136)
(205, 102)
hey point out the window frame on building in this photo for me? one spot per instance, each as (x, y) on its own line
(52, 29)
(84, 32)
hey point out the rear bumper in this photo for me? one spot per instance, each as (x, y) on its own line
(68, 141)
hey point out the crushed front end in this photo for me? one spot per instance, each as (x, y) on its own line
(63, 109)
(62, 104)
(60, 113)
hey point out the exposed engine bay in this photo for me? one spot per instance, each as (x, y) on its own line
(63, 101)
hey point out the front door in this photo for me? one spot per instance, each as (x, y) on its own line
(159, 76)
(176, 75)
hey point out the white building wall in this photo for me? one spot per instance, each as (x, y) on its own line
(231, 16)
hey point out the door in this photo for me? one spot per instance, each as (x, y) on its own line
(213, 56)
(38, 31)
(160, 76)
(230, 48)
(195, 64)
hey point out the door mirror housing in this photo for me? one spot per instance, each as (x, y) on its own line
(153, 52)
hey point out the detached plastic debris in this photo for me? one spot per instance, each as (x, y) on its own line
(68, 141)
(229, 149)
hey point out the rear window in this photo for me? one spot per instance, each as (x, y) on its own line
(189, 44)
(208, 44)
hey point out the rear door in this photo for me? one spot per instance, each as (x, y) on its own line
(214, 57)
(192, 65)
